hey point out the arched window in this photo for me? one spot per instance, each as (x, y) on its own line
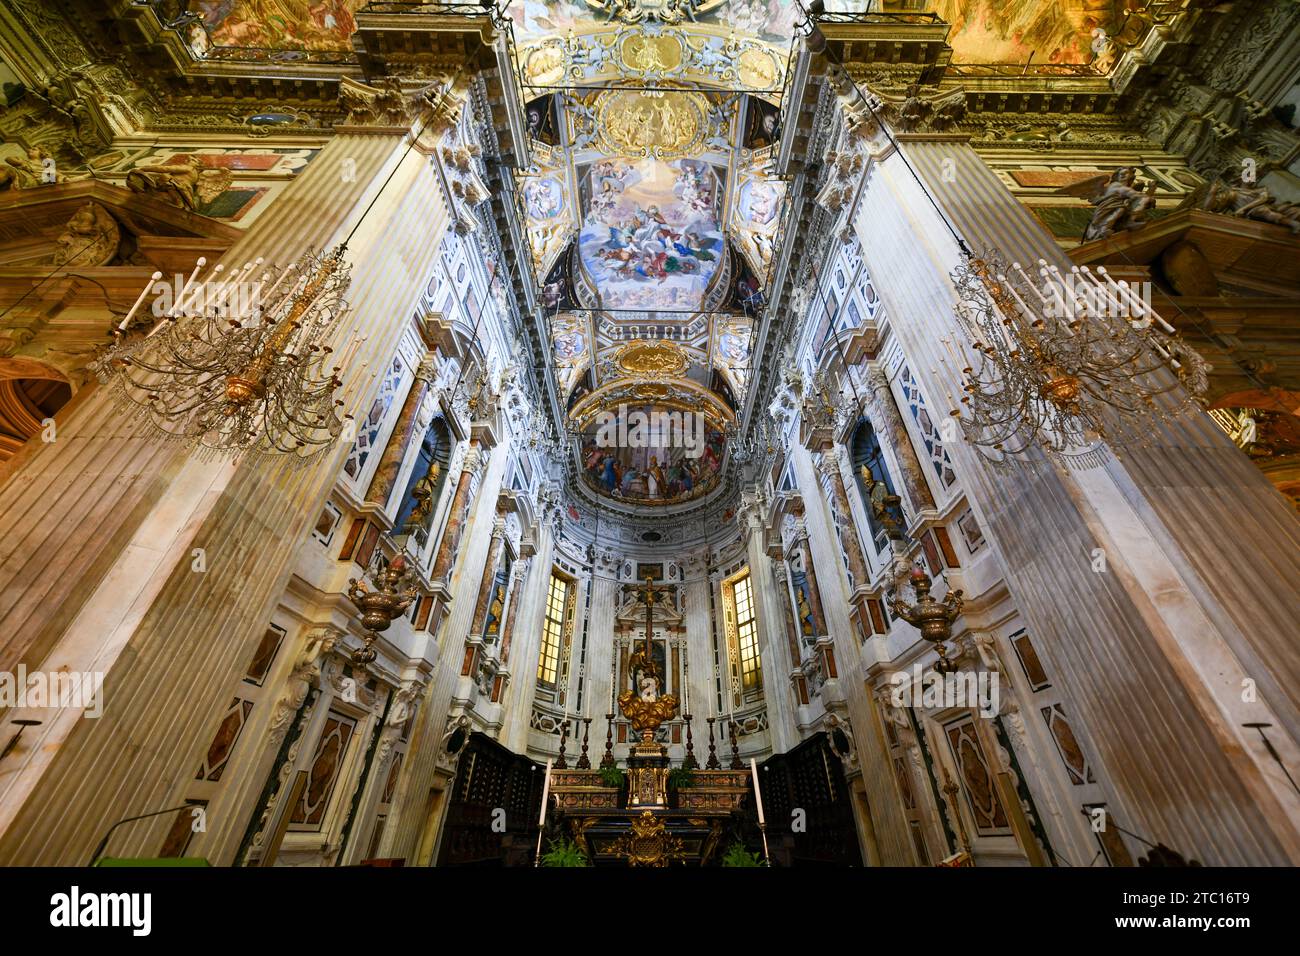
(435, 449)
(869, 460)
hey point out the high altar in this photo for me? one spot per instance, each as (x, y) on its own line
(649, 823)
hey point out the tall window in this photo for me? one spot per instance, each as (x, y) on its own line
(557, 600)
(746, 634)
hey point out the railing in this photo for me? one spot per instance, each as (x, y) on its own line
(1024, 69)
(868, 16)
(415, 6)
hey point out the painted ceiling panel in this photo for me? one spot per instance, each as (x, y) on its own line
(983, 31)
(651, 237)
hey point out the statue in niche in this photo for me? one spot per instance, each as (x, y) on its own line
(423, 495)
(495, 608)
(647, 674)
(883, 505)
(1121, 205)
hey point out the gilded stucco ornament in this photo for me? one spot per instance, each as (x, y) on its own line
(660, 123)
(648, 843)
(653, 359)
(91, 238)
(665, 11)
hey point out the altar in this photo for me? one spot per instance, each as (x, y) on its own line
(613, 828)
(655, 815)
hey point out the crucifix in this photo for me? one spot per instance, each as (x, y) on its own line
(650, 683)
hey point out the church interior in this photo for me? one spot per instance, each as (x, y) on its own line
(649, 433)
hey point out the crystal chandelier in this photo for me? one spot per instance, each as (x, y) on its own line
(758, 446)
(1069, 364)
(238, 364)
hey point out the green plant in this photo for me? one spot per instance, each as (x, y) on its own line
(681, 778)
(612, 777)
(564, 853)
(737, 855)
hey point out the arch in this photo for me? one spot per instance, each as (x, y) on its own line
(30, 368)
(25, 405)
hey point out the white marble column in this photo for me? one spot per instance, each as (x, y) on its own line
(526, 643)
(770, 622)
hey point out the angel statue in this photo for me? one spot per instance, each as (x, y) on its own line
(188, 185)
(1246, 202)
(645, 675)
(1120, 204)
(646, 708)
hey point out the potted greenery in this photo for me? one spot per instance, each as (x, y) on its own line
(681, 778)
(737, 855)
(564, 853)
(612, 777)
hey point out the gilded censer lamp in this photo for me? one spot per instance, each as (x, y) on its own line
(933, 618)
(380, 608)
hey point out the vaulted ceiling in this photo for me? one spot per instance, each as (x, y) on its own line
(650, 202)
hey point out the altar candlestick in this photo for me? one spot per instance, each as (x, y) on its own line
(613, 678)
(546, 792)
(758, 803)
(541, 820)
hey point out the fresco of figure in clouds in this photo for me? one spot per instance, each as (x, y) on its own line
(651, 237)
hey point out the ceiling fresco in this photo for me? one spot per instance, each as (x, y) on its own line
(983, 31)
(281, 24)
(756, 215)
(651, 237)
(1008, 31)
